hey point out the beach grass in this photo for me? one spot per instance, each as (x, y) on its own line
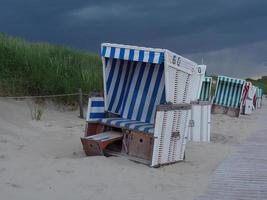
(261, 83)
(32, 68)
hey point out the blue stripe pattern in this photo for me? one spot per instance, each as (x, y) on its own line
(134, 89)
(141, 55)
(104, 49)
(112, 52)
(116, 85)
(155, 96)
(144, 96)
(128, 88)
(151, 56)
(96, 109)
(161, 57)
(129, 124)
(135, 85)
(145, 55)
(97, 104)
(122, 51)
(110, 76)
(97, 115)
(123, 89)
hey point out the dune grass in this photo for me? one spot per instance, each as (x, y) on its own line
(41, 69)
(261, 83)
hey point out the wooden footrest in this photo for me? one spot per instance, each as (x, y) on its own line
(95, 144)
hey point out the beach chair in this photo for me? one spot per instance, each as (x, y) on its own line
(200, 114)
(144, 113)
(205, 94)
(254, 97)
(198, 82)
(228, 96)
(259, 95)
(247, 99)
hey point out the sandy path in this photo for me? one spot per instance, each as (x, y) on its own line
(244, 174)
(44, 160)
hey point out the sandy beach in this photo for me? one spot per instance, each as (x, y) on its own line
(45, 160)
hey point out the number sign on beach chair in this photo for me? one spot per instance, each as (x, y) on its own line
(146, 106)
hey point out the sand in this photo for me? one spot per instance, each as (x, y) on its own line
(44, 160)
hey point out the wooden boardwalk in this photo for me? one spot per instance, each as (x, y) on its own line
(244, 175)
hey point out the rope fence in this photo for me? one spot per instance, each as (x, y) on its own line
(42, 96)
(79, 94)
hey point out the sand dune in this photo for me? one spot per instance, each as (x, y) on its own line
(44, 160)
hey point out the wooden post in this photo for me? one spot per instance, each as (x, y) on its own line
(81, 102)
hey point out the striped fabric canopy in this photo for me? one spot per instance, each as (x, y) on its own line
(96, 113)
(129, 124)
(259, 92)
(205, 94)
(132, 53)
(245, 92)
(133, 89)
(254, 96)
(228, 92)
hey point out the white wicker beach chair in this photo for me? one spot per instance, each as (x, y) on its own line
(259, 98)
(146, 105)
(200, 114)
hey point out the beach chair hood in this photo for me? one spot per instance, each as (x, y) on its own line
(229, 92)
(136, 79)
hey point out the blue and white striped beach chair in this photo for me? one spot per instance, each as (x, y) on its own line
(147, 94)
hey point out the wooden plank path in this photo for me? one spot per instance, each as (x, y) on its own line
(244, 175)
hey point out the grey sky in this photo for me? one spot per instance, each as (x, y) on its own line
(230, 36)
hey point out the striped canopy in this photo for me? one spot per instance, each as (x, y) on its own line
(245, 93)
(229, 92)
(134, 81)
(254, 92)
(259, 92)
(205, 94)
(132, 53)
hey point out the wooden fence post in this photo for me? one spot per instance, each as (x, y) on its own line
(81, 102)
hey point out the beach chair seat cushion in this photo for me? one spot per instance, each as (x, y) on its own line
(129, 124)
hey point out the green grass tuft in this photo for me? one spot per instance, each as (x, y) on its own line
(42, 69)
(261, 83)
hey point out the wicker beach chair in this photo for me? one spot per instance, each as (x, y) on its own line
(144, 113)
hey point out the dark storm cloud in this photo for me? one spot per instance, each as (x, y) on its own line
(187, 27)
(243, 61)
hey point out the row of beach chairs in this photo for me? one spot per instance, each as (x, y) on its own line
(154, 102)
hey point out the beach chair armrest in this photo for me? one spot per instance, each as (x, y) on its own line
(171, 107)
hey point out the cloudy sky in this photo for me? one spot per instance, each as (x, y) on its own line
(230, 35)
